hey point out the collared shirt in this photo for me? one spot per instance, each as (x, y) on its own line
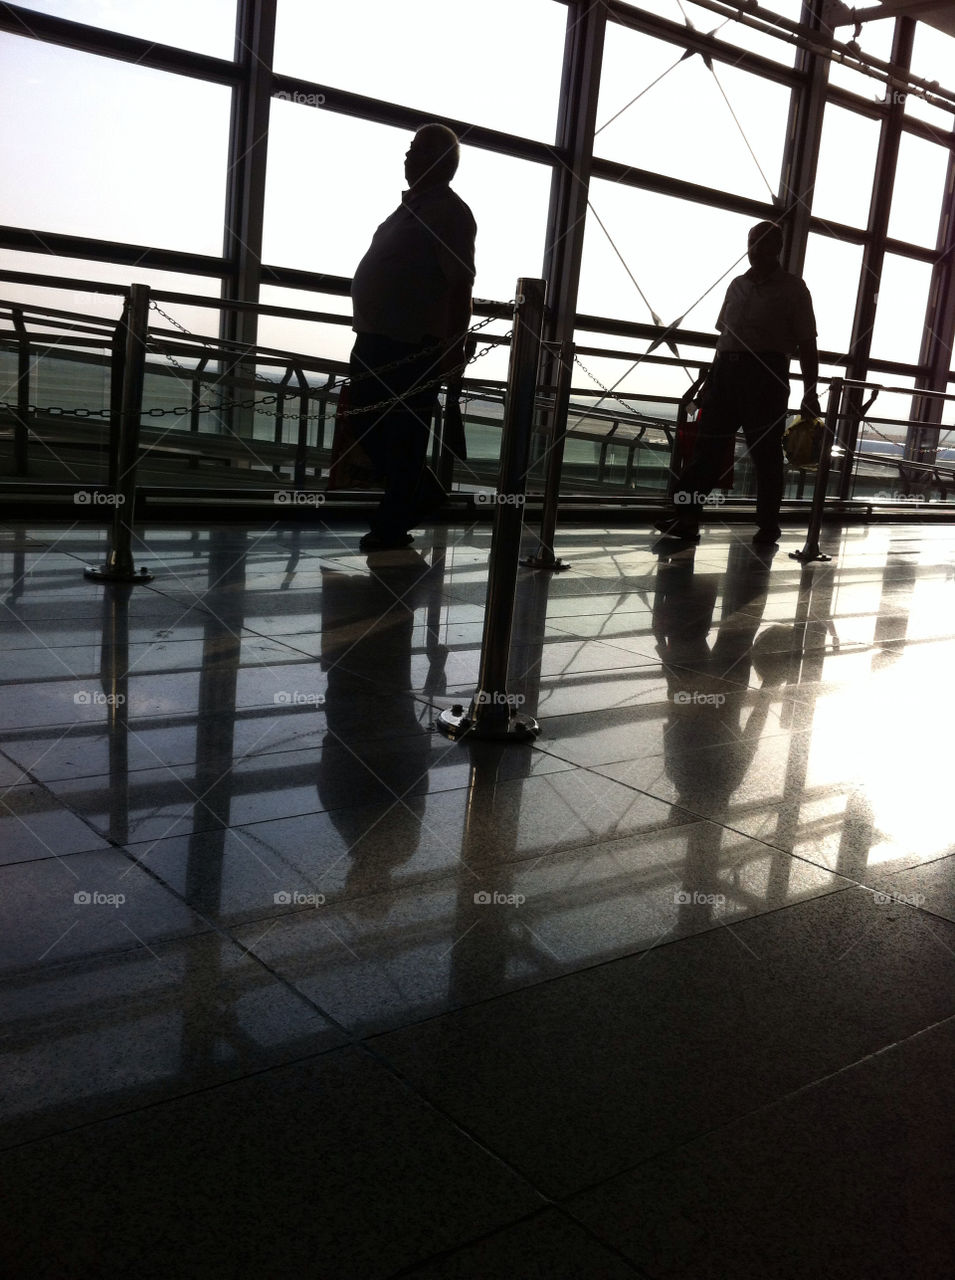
(774, 314)
(402, 284)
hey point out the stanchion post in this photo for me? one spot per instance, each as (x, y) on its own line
(124, 446)
(833, 408)
(545, 558)
(493, 713)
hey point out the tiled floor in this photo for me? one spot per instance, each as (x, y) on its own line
(292, 985)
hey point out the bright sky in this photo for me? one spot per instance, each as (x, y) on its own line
(107, 149)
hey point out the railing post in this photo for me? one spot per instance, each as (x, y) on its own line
(124, 446)
(21, 430)
(545, 558)
(493, 713)
(833, 409)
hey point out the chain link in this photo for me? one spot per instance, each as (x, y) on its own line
(637, 413)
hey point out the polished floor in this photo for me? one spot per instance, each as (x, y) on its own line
(294, 986)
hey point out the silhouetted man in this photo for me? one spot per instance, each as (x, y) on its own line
(411, 299)
(766, 318)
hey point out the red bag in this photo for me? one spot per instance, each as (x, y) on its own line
(351, 467)
(686, 436)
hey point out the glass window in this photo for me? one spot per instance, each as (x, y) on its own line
(875, 40)
(731, 30)
(832, 274)
(497, 64)
(847, 154)
(721, 128)
(321, 215)
(198, 320)
(933, 58)
(900, 314)
(918, 191)
(111, 150)
(203, 28)
(680, 255)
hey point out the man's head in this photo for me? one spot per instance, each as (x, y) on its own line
(432, 157)
(764, 245)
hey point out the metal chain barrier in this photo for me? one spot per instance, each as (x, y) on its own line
(257, 403)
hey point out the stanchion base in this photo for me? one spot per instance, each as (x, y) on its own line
(456, 723)
(103, 573)
(538, 562)
(808, 554)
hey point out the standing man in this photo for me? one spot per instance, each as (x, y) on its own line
(411, 302)
(766, 318)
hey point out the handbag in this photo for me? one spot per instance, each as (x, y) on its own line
(802, 443)
(351, 467)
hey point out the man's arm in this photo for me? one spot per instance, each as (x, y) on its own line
(808, 357)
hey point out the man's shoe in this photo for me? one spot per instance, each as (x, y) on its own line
(682, 530)
(375, 542)
(766, 537)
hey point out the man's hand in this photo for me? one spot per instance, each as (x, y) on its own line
(810, 407)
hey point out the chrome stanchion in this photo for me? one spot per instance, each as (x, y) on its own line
(811, 550)
(493, 713)
(545, 558)
(124, 446)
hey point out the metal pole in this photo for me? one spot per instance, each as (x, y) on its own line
(545, 558)
(21, 429)
(493, 713)
(119, 566)
(833, 408)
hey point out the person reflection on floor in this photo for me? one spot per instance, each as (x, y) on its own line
(714, 724)
(373, 773)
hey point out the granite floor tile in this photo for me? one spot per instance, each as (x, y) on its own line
(60, 909)
(643, 1054)
(329, 1163)
(101, 1036)
(377, 959)
(850, 1177)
